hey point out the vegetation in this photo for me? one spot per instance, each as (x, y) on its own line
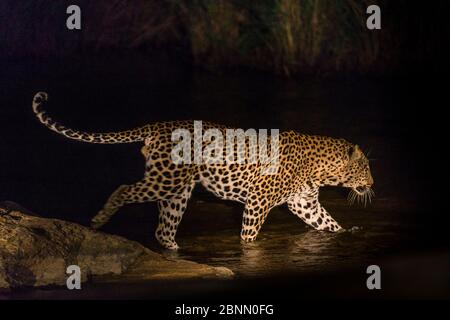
(284, 36)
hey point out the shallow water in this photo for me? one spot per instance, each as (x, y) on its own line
(209, 233)
(58, 178)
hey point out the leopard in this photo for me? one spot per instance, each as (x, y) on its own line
(305, 163)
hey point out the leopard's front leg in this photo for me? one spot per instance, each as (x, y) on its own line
(306, 206)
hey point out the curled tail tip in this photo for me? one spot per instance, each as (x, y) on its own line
(38, 99)
(40, 96)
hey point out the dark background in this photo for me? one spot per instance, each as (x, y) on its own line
(139, 62)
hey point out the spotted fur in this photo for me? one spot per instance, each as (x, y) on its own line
(306, 163)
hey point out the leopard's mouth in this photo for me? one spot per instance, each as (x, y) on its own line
(361, 194)
(361, 190)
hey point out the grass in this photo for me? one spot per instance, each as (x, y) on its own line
(286, 37)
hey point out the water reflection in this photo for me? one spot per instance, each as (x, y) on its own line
(277, 252)
(286, 245)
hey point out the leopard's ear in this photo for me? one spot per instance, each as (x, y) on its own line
(354, 152)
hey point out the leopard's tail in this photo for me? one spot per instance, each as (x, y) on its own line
(133, 135)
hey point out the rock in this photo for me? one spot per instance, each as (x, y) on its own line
(8, 206)
(36, 251)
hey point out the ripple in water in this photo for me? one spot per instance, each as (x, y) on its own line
(286, 244)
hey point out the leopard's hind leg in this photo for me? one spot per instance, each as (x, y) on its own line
(139, 192)
(160, 183)
(170, 214)
(255, 213)
(164, 180)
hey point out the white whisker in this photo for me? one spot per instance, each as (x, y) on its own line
(363, 198)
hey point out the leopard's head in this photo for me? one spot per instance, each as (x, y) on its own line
(346, 166)
(356, 175)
